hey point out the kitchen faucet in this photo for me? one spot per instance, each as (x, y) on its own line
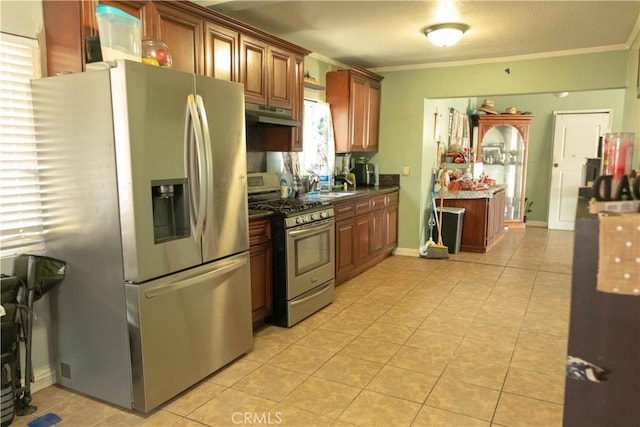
(350, 180)
(313, 182)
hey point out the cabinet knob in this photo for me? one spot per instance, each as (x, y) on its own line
(555, 165)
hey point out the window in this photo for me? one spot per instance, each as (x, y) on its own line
(318, 156)
(20, 209)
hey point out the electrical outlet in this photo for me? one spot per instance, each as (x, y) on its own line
(406, 171)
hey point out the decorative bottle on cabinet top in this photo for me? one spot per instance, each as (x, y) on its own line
(156, 52)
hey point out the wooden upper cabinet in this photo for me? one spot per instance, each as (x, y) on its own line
(359, 110)
(65, 49)
(200, 41)
(354, 96)
(182, 32)
(221, 52)
(373, 122)
(298, 104)
(268, 73)
(253, 69)
(281, 77)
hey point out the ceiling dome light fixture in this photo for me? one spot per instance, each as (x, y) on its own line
(445, 34)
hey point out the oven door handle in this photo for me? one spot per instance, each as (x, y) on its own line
(314, 294)
(321, 227)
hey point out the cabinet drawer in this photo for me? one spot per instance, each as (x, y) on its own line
(259, 231)
(378, 202)
(344, 211)
(363, 205)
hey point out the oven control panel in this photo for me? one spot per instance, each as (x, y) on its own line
(308, 217)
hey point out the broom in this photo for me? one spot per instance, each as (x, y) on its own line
(432, 219)
(438, 250)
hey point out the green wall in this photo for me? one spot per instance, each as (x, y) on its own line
(410, 97)
(631, 121)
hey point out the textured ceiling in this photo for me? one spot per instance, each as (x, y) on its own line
(388, 34)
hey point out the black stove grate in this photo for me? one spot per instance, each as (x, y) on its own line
(285, 206)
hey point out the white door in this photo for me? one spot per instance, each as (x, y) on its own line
(575, 139)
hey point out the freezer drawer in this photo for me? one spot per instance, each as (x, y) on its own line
(184, 327)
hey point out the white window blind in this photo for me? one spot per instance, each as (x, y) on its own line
(20, 209)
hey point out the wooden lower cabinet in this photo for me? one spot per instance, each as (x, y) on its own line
(363, 236)
(495, 218)
(345, 253)
(366, 233)
(483, 221)
(261, 264)
(391, 235)
(378, 218)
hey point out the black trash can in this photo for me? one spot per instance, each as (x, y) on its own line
(452, 228)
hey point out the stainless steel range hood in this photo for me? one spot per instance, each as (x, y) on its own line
(269, 116)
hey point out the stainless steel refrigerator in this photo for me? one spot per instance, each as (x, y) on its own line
(143, 176)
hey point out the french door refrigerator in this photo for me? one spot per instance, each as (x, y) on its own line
(143, 176)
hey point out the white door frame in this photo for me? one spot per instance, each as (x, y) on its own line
(560, 189)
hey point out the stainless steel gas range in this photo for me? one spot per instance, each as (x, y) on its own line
(303, 250)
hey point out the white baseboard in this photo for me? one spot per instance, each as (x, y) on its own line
(43, 379)
(542, 224)
(407, 252)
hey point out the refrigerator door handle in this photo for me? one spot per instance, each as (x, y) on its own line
(193, 146)
(206, 136)
(226, 267)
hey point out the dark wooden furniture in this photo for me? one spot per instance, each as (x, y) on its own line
(604, 329)
(366, 232)
(483, 221)
(200, 41)
(502, 146)
(261, 256)
(354, 96)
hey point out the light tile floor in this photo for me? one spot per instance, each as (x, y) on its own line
(475, 340)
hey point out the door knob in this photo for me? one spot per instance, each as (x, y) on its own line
(555, 165)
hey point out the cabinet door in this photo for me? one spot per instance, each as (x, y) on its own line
(298, 105)
(495, 217)
(65, 49)
(378, 231)
(261, 281)
(281, 77)
(67, 24)
(362, 239)
(359, 111)
(253, 69)
(345, 249)
(373, 116)
(221, 52)
(392, 221)
(183, 34)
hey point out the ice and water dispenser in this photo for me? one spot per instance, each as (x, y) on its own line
(170, 209)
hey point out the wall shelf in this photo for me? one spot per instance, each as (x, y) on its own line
(313, 84)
